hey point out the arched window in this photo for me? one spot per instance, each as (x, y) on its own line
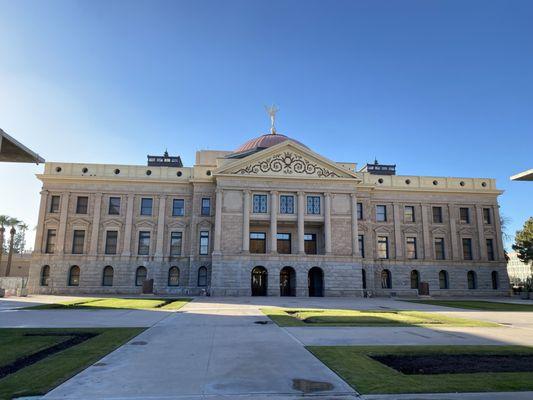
(45, 275)
(363, 275)
(386, 281)
(74, 276)
(472, 280)
(202, 276)
(443, 280)
(140, 276)
(415, 279)
(173, 276)
(107, 277)
(495, 279)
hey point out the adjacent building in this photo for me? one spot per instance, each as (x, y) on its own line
(518, 270)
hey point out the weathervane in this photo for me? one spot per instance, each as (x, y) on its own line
(272, 110)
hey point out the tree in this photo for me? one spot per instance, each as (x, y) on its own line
(19, 245)
(13, 223)
(524, 242)
(3, 223)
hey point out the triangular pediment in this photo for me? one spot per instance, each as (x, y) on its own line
(287, 159)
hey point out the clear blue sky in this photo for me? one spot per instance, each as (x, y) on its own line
(439, 88)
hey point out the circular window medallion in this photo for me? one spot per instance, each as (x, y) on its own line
(117, 171)
(435, 183)
(84, 170)
(483, 184)
(208, 173)
(462, 183)
(408, 181)
(380, 180)
(58, 169)
(148, 172)
(179, 173)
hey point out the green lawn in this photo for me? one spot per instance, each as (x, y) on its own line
(477, 305)
(42, 376)
(311, 317)
(165, 304)
(367, 376)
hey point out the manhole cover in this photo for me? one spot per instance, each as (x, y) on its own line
(139, 343)
(307, 386)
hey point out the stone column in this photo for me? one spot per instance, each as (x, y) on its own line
(246, 222)
(481, 234)
(160, 235)
(93, 249)
(218, 222)
(453, 233)
(273, 222)
(301, 223)
(355, 227)
(425, 232)
(327, 222)
(61, 234)
(39, 234)
(126, 247)
(499, 253)
(398, 247)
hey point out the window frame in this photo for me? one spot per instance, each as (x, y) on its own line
(444, 273)
(257, 240)
(45, 278)
(487, 215)
(443, 248)
(144, 208)
(202, 274)
(381, 216)
(286, 238)
(203, 248)
(113, 209)
(80, 207)
(463, 220)
(261, 203)
(311, 204)
(50, 245)
(383, 240)
(105, 277)
(467, 256)
(77, 247)
(74, 280)
(178, 211)
(286, 207)
(107, 242)
(491, 254)
(179, 238)
(138, 276)
(411, 214)
(439, 215)
(170, 270)
(205, 207)
(411, 254)
(144, 235)
(361, 244)
(55, 208)
(359, 210)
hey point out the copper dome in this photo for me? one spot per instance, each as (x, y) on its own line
(263, 142)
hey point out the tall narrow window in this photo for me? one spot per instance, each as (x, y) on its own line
(495, 279)
(178, 208)
(74, 276)
(464, 215)
(409, 214)
(381, 213)
(415, 279)
(410, 248)
(202, 276)
(467, 249)
(257, 242)
(140, 275)
(78, 242)
(111, 239)
(437, 215)
(284, 243)
(471, 280)
(383, 247)
(45, 275)
(204, 243)
(286, 204)
(114, 206)
(443, 280)
(175, 243)
(146, 206)
(107, 276)
(54, 204)
(490, 249)
(313, 205)
(361, 241)
(144, 243)
(310, 246)
(439, 249)
(50, 241)
(81, 204)
(386, 279)
(363, 277)
(173, 276)
(487, 217)
(259, 203)
(359, 211)
(206, 206)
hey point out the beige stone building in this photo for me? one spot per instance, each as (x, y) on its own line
(518, 270)
(272, 217)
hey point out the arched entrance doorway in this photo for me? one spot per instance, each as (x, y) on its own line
(287, 282)
(259, 281)
(315, 279)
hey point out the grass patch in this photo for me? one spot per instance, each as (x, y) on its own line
(368, 376)
(42, 376)
(309, 317)
(166, 304)
(477, 305)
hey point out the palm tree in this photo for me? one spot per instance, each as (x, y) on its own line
(13, 223)
(3, 223)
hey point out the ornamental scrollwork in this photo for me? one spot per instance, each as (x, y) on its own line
(288, 163)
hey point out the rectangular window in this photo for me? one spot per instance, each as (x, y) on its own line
(409, 214)
(437, 215)
(81, 204)
(410, 248)
(313, 204)
(361, 241)
(439, 249)
(54, 204)
(146, 206)
(204, 243)
(381, 213)
(359, 211)
(206, 206)
(257, 242)
(50, 241)
(286, 204)
(78, 241)
(487, 217)
(490, 249)
(284, 243)
(144, 243)
(259, 203)
(467, 249)
(114, 206)
(464, 215)
(175, 243)
(310, 243)
(111, 238)
(383, 247)
(178, 208)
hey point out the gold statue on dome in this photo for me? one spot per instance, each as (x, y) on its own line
(272, 110)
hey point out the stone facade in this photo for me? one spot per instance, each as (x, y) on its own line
(308, 219)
